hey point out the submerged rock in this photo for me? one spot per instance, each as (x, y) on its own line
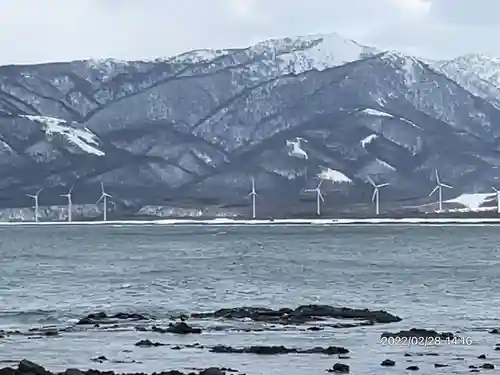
(388, 363)
(103, 318)
(148, 344)
(274, 350)
(182, 328)
(301, 314)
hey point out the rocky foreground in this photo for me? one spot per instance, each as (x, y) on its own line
(26, 367)
(421, 347)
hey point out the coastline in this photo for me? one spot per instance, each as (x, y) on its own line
(240, 222)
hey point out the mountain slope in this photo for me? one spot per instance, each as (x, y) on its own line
(477, 73)
(189, 131)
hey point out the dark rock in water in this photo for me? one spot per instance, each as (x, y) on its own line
(274, 350)
(28, 367)
(482, 356)
(99, 359)
(488, 366)
(340, 368)
(413, 368)
(45, 331)
(497, 347)
(148, 343)
(418, 332)
(182, 329)
(438, 365)
(315, 328)
(103, 318)
(495, 331)
(73, 371)
(301, 314)
(344, 357)
(388, 362)
(7, 371)
(407, 355)
(213, 371)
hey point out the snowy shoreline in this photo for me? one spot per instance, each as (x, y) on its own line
(239, 222)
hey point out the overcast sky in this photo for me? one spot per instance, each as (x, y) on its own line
(34, 31)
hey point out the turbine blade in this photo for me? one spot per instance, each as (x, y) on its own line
(320, 182)
(446, 186)
(321, 196)
(495, 190)
(434, 190)
(437, 176)
(383, 185)
(100, 199)
(374, 194)
(39, 191)
(371, 181)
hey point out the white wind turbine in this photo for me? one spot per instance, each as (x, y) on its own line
(439, 188)
(498, 199)
(253, 194)
(376, 194)
(319, 197)
(69, 202)
(104, 197)
(35, 197)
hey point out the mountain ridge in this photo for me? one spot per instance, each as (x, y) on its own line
(192, 128)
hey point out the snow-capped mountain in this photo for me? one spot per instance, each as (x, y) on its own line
(189, 131)
(477, 73)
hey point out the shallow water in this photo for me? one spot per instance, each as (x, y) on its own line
(443, 278)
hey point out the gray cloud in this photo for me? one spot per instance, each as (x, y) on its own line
(31, 31)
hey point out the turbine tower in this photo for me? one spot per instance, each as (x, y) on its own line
(253, 194)
(376, 194)
(498, 199)
(319, 197)
(69, 202)
(439, 188)
(35, 197)
(104, 197)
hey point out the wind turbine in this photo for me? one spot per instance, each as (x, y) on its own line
(319, 197)
(439, 188)
(69, 202)
(35, 197)
(498, 199)
(104, 197)
(376, 194)
(253, 194)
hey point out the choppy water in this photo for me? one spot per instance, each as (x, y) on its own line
(443, 278)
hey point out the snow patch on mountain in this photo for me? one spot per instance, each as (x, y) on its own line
(367, 140)
(374, 112)
(297, 151)
(83, 138)
(386, 165)
(472, 201)
(334, 176)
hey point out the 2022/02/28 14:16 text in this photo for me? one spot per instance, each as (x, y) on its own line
(425, 340)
